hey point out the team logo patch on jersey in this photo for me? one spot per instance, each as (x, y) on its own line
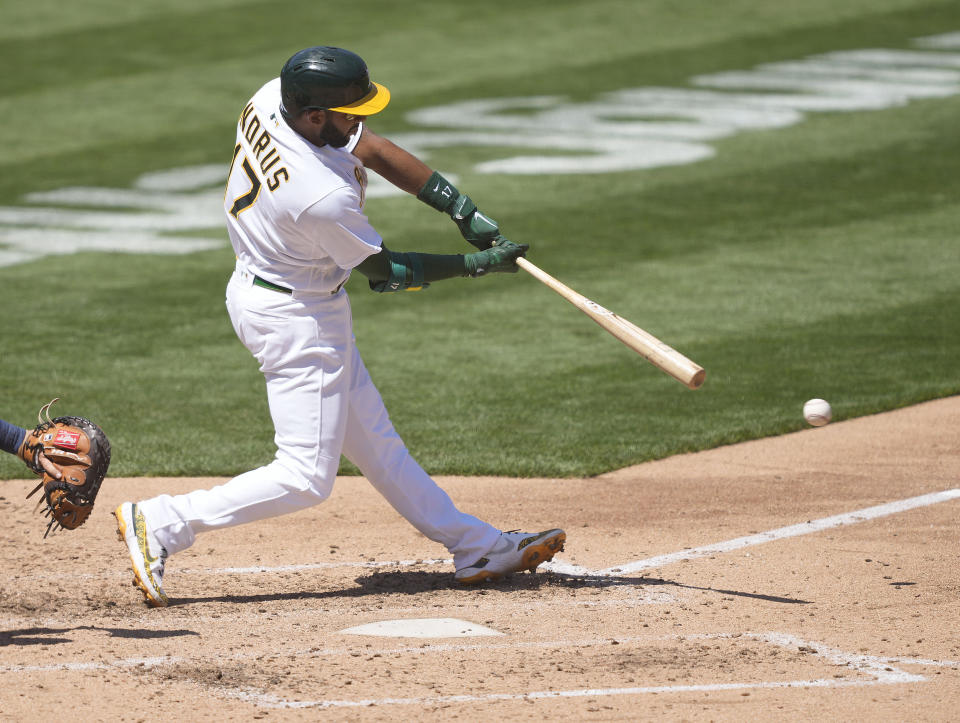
(66, 439)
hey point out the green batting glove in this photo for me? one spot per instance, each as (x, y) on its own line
(475, 227)
(478, 229)
(499, 258)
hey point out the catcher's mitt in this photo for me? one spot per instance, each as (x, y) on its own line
(80, 450)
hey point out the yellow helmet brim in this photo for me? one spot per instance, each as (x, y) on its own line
(373, 102)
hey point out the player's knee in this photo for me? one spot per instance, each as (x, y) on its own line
(315, 486)
(313, 482)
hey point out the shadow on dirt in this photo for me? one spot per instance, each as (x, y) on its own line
(734, 593)
(405, 582)
(54, 636)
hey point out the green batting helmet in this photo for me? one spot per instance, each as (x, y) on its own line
(326, 78)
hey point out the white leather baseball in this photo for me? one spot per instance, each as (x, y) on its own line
(817, 412)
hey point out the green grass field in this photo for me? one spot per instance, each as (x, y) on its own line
(817, 259)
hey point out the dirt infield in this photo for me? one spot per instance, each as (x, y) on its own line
(808, 576)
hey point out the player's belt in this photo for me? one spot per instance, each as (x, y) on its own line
(257, 281)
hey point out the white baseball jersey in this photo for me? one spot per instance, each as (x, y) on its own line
(295, 210)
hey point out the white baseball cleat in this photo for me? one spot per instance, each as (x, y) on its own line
(513, 552)
(147, 556)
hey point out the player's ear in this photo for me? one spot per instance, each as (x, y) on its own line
(316, 116)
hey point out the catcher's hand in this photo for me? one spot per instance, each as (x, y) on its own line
(71, 455)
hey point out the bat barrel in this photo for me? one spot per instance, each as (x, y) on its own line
(662, 356)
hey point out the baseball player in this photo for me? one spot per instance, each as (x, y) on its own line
(294, 207)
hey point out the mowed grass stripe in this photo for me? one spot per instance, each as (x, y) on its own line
(808, 261)
(601, 414)
(603, 409)
(106, 38)
(176, 290)
(53, 19)
(190, 71)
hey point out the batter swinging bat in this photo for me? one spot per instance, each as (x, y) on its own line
(645, 344)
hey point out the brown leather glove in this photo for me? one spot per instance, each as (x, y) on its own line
(79, 451)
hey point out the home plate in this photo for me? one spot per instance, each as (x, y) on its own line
(422, 628)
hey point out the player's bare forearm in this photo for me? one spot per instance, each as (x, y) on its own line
(400, 167)
(409, 173)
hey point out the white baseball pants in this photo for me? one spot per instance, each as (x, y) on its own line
(323, 403)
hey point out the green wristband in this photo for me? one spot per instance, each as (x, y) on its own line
(439, 193)
(406, 273)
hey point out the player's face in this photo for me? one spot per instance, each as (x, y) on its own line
(338, 127)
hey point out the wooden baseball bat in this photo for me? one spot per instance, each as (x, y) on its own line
(662, 356)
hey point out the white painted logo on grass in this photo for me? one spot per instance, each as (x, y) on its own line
(159, 215)
(180, 211)
(640, 128)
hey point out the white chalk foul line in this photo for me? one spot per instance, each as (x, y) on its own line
(875, 670)
(111, 665)
(344, 651)
(781, 533)
(250, 570)
(878, 666)
(253, 570)
(878, 670)
(267, 700)
(559, 566)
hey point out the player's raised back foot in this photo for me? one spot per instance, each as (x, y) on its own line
(147, 556)
(513, 552)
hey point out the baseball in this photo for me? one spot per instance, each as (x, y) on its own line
(817, 412)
